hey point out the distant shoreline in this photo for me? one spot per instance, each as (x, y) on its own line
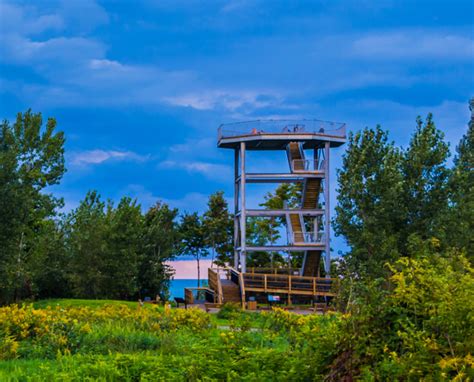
(187, 269)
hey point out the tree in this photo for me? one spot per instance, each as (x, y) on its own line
(124, 233)
(31, 159)
(218, 228)
(369, 212)
(461, 219)
(50, 261)
(86, 245)
(193, 241)
(160, 243)
(425, 190)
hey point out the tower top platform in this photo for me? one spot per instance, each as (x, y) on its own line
(276, 134)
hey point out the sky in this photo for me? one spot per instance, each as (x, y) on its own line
(140, 87)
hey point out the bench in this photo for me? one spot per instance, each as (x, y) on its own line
(180, 300)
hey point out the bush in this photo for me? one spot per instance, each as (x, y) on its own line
(229, 310)
(417, 325)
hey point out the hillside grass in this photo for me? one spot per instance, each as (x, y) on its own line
(105, 340)
(70, 302)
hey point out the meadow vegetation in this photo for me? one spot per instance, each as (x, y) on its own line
(418, 328)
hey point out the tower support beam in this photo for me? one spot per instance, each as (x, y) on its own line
(236, 208)
(327, 257)
(243, 212)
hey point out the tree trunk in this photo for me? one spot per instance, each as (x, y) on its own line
(213, 253)
(199, 271)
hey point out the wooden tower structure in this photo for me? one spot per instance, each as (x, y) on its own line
(308, 225)
(306, 145)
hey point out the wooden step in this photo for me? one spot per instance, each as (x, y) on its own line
(311, 263)
(312, 189)
(230, 291)
(295, 153)
(297, 229)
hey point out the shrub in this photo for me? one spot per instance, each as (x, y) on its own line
(416, 326)
(228, 310)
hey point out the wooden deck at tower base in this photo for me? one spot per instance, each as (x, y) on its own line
(227, 284)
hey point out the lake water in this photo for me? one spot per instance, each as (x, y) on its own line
(177, 286)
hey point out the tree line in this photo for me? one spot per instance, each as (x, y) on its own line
(389, 201)
(99, 249)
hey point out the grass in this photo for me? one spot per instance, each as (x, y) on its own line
(68, 303)
(110, 340)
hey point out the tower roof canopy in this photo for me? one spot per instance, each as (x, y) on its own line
(276, 134)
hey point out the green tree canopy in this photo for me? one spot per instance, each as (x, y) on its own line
(31, 158)
(369, 213)
(218, 228)
(86, 245)
(193, 239)
(160, 243)
(124, 240)
(460, 226)
(425, 181)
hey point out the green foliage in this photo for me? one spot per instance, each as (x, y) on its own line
(417, 324)
(119, 343)
(193, 238)
(117, 252)
(160, 243)
(368, 212)
(425, 179)
(266, 231)
(31, 158)
(86, 244)
(460, 224)
(124, 238)
(229, 310)
(387, 195)
(218, 228)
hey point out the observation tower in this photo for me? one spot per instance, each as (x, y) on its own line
(305, 147)
(306, 144)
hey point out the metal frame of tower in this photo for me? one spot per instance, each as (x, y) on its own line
(303, 135)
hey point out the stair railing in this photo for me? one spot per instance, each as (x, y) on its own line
(308, 237)
(238, 278)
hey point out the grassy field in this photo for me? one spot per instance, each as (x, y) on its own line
(113, 340)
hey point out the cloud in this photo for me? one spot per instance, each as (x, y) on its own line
(26, 20)
(230, 100)
(79, 16)
(209, 170)
(414, 44)
(190, 202)
(61, 50)
(94, 157)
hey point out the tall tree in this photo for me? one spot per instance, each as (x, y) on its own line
(160, 243)
(369, 212)
(461, 220)
(124, 233)
(193, 240)
(31, 159)
(86, 246)
(218, 227)
(425, 191)
(50, 261)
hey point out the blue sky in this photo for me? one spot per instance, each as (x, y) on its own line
(140, 87)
